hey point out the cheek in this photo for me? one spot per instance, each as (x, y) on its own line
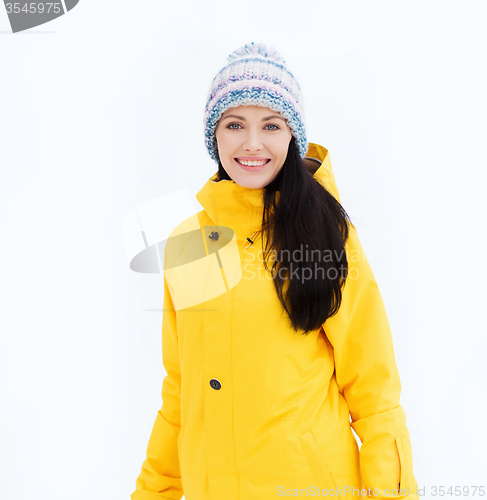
(281, 145)
(224, 142)
(281, 154)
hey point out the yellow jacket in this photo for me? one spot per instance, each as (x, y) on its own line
(252, 410)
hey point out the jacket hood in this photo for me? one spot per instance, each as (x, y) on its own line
(229, 204)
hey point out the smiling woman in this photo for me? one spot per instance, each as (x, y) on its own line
(268, 373)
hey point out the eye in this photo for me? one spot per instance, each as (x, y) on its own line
(236, 126)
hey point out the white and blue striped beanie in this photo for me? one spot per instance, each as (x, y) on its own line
(256, 74)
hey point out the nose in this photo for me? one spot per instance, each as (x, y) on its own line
(253, 141)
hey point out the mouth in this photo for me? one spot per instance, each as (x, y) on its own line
(254, 166)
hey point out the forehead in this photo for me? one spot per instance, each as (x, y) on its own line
(250, 110)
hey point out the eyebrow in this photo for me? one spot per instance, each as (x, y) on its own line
(263, 119)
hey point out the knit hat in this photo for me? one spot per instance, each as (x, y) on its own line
(255, 75)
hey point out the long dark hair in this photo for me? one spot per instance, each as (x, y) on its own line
(300, 215)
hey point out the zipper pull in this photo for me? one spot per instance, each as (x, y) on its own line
(249, 241)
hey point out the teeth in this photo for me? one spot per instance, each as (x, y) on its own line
(252, 163)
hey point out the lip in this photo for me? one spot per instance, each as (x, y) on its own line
(251, 158)
(258, 168)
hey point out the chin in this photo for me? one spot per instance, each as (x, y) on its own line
(251, 183)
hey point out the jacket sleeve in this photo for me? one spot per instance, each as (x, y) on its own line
(368, 379)
(160, 478)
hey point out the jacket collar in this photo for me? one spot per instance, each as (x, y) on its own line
(228, 204)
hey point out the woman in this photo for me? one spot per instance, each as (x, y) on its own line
(274, 330)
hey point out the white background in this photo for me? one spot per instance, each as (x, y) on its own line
(101, 111)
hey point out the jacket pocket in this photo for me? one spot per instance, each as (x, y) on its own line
(315, 459)
(402, 463)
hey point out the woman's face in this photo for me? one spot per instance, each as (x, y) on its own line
(252, 134)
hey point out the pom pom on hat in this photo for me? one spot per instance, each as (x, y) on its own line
(256, 49)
